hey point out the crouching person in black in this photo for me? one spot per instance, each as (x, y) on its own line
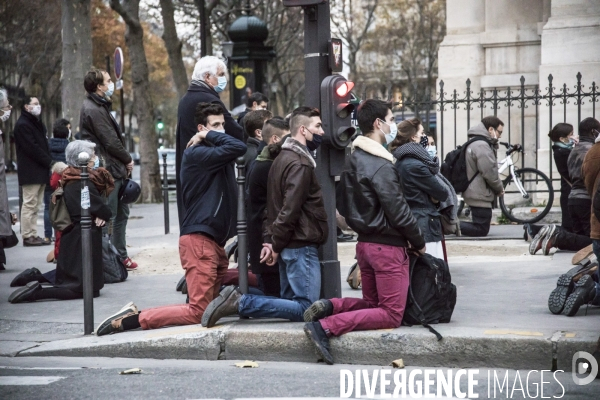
(69, 271)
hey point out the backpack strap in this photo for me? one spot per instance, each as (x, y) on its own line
(421, 316)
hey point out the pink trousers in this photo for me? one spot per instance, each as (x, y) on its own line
(205, 265)
(385, 278)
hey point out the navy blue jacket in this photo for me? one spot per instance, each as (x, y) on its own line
(57, 148)
(187, 127)
(209, 191)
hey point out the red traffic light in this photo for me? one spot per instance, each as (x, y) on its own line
(344, 88)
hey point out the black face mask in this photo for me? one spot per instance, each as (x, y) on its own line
(314, 144)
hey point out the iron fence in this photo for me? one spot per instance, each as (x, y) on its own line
(513, 102)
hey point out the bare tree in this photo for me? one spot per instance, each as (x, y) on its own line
(144, 111)
(174, 47)
(352, 20)
(413, 34)
(76, 56)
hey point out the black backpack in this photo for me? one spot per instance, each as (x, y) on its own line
(114, 270)
(454, 167)
(431, 294)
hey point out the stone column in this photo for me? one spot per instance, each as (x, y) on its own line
(570, 44)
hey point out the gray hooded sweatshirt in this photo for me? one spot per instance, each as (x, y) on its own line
(481, 157)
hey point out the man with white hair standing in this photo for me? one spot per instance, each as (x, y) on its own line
(208, 80)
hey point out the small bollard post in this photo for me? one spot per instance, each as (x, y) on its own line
(165, 188)
(86, 247)
(242, 227)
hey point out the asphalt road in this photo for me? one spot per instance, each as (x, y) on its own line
(92, 378)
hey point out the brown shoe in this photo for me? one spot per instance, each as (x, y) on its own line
(225, 304)
(113, 323)
(45, 241)
(32, 241)
(582, 254)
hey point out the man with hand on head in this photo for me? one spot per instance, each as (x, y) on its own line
(209, 195)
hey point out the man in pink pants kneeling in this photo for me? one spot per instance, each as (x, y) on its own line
(370, 198)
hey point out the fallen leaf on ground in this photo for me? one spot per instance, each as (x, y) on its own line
(246, 364)
(131, 371)
(399, 363)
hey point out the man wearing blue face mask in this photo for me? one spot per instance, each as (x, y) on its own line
(209, 79)
(97, 125)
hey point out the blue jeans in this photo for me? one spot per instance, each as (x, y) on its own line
(47, 223)
(300, 277)
(596, 276)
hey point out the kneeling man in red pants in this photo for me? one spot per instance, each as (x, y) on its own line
(210, 208)
(370, 198)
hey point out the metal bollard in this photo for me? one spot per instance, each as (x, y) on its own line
(165, 188)
(242, 227)
(86, 247)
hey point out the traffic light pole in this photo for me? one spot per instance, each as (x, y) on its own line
(317, 34)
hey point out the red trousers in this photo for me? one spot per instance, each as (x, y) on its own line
(205, 265)
(384, 271)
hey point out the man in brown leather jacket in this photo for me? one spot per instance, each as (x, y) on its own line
(296, 224)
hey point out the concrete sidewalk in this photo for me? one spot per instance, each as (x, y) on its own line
(501, 318)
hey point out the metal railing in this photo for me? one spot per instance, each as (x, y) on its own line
(512, 102)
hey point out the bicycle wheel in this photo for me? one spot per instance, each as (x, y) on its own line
(537, 202)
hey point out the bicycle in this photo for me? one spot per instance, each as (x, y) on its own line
(523, 187)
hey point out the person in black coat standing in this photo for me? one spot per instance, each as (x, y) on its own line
(69, 271)
(57, 145)
(208, 80)
(34, 161)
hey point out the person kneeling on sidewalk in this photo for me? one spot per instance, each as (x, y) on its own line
(370, 198)
(296, 224)
(209, 198)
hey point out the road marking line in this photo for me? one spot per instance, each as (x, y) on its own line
(177, 332)
(28, 380)
(570, 334)
(510, 332)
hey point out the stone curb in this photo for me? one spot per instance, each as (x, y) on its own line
(277, 341)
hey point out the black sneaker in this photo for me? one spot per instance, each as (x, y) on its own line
(536, 242)
(29, 275)
(315, 333)
(25, 293)
(566, 284)
(180, 284)
(318, 310)
(225, 304)
(113, 323)
(528, 233)
(550, 239)
(584, 292)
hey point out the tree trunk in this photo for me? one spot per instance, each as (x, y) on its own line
(144, 111)
(76, 57)
(173, 45)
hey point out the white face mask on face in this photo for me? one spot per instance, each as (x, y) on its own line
(5, 116)
(36, 110)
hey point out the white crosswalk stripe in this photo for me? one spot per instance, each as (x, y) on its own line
(28, 380)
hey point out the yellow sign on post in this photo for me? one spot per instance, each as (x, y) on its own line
(240, 82)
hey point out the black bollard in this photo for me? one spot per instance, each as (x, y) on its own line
(242, 227)
(86, 247)
(165, 193)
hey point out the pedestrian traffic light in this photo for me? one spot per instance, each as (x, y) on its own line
(159, 124)
(336, 111)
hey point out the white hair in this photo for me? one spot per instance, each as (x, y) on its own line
(3, 97)
(75, 147)
(208, 64)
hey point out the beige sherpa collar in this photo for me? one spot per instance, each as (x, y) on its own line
(297, 147)
(372, 147)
